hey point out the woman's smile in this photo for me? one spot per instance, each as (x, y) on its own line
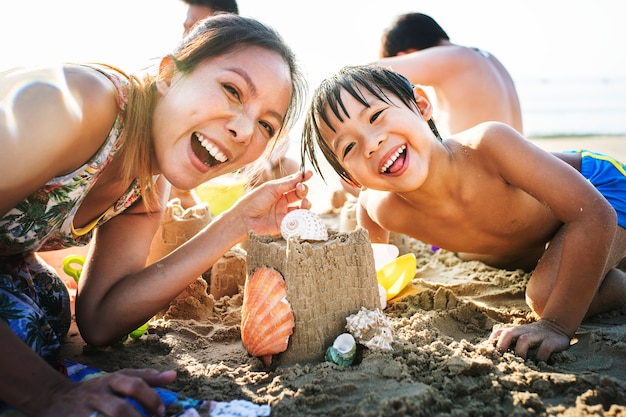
(206, 151)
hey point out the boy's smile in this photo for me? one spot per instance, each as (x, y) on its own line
(395, 163)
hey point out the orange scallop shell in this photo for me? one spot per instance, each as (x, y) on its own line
(266, 317)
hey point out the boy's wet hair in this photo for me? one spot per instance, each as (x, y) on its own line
(378, 81)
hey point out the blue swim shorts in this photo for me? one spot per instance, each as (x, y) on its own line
(609, 177)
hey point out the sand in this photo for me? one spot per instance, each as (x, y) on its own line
(441, 362)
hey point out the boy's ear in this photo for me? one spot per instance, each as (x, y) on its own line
(166, 74)
(423, 102)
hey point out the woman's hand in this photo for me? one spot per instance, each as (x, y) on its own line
(264, 208)
(106, 395)
(543, 334)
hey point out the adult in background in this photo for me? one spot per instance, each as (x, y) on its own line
(470, 85)
(199, 9)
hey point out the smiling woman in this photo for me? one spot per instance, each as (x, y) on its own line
(101, 146)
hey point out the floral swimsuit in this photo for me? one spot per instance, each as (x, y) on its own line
(34, 301)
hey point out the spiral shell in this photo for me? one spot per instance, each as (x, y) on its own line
(371, 328)
(266, 317)
(304, 225)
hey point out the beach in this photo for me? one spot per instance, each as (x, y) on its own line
(441, 363)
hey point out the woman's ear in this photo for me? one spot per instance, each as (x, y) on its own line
(423, 102)
(166, 74)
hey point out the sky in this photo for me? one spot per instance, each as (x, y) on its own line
(533, 38)
(536, 40)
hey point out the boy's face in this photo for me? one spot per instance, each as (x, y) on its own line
(383, 146)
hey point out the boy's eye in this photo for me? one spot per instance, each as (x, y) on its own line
(348, 149)
(375, 116)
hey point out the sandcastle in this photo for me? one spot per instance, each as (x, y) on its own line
(326, 282)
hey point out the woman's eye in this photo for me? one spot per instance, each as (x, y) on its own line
(269, 129)
(233, 91)
(348, 149)
(375, 116)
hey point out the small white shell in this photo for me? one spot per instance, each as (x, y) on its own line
(303, 224)
(343, 350)
(371, 328)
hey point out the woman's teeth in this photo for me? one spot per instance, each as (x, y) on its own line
(211, 148)
(393, 159)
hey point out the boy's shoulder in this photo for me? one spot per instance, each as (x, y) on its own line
(483, 134)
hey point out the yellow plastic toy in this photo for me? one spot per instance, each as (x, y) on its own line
(222, 192)
(396, 274)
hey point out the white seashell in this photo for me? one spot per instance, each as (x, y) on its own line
(343, 350)
(371, 328)
(304, 225)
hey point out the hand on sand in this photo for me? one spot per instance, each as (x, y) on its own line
(107, 394)
(543, 334)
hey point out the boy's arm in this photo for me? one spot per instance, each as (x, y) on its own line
(569, 273)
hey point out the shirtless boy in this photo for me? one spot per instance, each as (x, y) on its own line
(485, 193)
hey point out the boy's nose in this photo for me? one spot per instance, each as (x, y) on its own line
(374, 146)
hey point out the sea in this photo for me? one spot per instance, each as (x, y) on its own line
(573, 106)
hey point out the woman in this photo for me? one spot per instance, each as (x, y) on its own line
(89, 154)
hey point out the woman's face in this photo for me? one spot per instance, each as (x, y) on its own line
(219, 117)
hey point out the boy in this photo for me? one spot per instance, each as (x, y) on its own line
(486, 193)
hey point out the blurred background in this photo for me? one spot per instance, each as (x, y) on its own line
(567, 56)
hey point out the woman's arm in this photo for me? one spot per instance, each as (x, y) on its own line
(117, 292)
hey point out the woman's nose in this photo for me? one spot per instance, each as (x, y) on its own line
(242, 129)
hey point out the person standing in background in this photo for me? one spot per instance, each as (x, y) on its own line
(470, 85)
(199, 9)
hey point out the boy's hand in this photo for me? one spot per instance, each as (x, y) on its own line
(542, 334)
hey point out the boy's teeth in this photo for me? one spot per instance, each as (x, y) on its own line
(393, 159)
(211, 149)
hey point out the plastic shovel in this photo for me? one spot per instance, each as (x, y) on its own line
(395, 275)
